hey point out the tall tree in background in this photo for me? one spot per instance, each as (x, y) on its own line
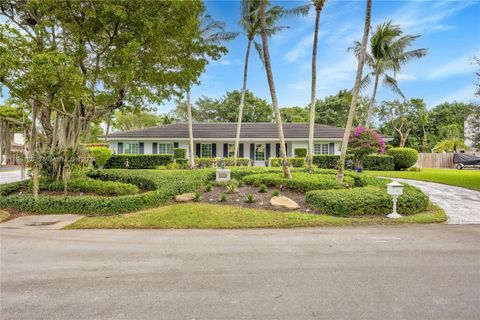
(388, 52)
(213, 33)
(313, 97)
(250, 23)
(402, 116)
(356, 90)
(271, 85)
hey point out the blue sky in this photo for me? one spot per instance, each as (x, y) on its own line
(449, 29)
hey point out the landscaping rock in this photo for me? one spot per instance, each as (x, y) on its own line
(284, 202)
(184, 197)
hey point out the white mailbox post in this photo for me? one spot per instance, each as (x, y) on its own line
(394, 189)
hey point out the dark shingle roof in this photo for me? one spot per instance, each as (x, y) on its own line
(257, 130)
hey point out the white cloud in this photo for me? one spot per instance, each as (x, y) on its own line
(459, 66)
(405, 77)
(301, 49)
(465, 94)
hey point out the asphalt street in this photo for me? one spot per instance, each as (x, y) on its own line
(397, 272)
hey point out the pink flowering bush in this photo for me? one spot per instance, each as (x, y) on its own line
(363, 141)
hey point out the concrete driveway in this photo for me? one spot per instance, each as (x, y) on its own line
(397, 272)
(11, 175)
(461, 205)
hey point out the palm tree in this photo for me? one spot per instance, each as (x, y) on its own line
(271, 85)
(356, 89)
(318, 9)
(250, 24)
(387, 53)
(213, 32)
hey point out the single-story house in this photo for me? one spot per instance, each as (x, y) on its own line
(258, 141)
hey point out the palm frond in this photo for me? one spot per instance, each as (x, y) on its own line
(365, 82)
(259, 49)
(298, 11)
(392, 83)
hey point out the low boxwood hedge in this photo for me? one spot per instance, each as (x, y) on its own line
(379, 162)
(326, 161)
(292, 162)
(104, 188)
(403, 157)
(138, 161)
(300, 181)
(9, 188)
(369, 200)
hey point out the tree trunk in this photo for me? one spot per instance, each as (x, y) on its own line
(271, 84)
(33, 151)
(313, 97)
(242, 101)
(109, 120)
(425, 139)
(356, 90)
(191, 160)
(371, 106)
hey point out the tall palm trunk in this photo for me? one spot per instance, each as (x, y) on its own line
(242, 102)
(313, 97)
(191, 160)
(356, 90)
(271, 84)
(371, 106)
(33, 151)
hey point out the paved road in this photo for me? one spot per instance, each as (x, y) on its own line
(12, 175)
(461, 205)
(398, 272)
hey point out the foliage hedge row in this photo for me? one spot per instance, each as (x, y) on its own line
(292, 162)
(216, 162)
(300, 181)
(369, 200)
(9, 188)
(180, 153)
(167, 184)
(300, 152)
(103, 188)
(100, 155)
(403, 157)
(372, 162)
(138, 161)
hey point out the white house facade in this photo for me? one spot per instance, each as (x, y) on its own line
(258, 141)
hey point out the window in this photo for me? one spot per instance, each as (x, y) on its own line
(131, 148)
(259, 152)
(165, 148)
(320, 148)
(231, 150)
(206, 150)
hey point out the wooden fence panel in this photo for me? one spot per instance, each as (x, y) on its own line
(435, 160)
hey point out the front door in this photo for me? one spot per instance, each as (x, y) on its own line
(260, 154)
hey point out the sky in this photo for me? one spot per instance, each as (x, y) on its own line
(450, 30)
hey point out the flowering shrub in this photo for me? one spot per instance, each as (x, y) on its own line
(364, 141)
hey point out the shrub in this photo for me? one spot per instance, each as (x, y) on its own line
(182, 162)
(208, 188)
(297, 162)
(9, 188)
(207, 162)
(173, 166)
(232, 186)
(179, 153)
(300, 152)
(326, 161)
(365, 141)
(104, 188)
(378, 162)
(370, 200)
(240, 162)
(263, 188)
(100, 155)
(138, 161)
(275, 162)
(275, 193)
(250, 198)
(197, 197)
(223, 197)
(300, 181)
(403, 157)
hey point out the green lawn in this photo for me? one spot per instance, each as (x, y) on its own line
(462, 178)
(209, 216)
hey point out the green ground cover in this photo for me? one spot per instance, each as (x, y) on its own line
(210, 216)
(465, 178)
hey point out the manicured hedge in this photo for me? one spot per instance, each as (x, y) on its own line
(292, 162)
(243, 162)
(403, 157)
(300, 181)
(300, 152)
(139, 161)
(167, 183)
(9, 188)
(104, 188)
(326, 161)
(179, 153)
(369, 200)
(378, 162)
(100, 155)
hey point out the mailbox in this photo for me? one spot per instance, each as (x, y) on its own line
(395, 189)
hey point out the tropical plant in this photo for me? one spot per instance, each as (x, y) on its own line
(271, 85)
(450, 145)
(275, 193)
(356, 90)
(250, 198)
(197, 197)
(364, 141)
(262, 188)
(232, 186)
(387, 53)
(223, 197)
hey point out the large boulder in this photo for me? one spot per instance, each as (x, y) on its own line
(185, 197)
(284, 202)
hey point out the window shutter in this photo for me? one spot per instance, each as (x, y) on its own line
(225, 150)
(140, 148)
(154, 148)
(214, 150)
(267, 151)
(331, 148)
(240, 151)
(277, 150)
(252, 151)
(120, 148)
(286, 149)
(175, 144)
(197, 150)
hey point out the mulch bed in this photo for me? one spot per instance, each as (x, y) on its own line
(262, 200)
